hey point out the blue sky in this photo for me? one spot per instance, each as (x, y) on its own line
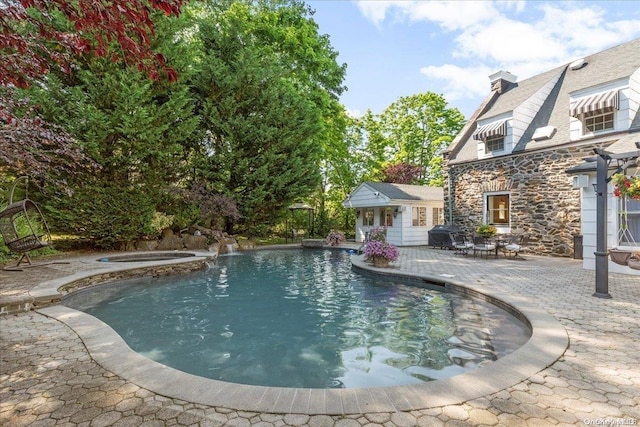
(400, 48)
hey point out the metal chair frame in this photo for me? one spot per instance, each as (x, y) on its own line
(23, 226)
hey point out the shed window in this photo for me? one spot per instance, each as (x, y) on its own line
(367, 217)
(419, 216)
(386, 217)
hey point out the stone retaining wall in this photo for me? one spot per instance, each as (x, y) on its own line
(154, 271)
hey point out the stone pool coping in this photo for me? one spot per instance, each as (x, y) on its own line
(548, 342)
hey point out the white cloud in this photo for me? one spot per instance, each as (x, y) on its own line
(450, 15)
(507, 41)
(460, 83)
(375, 11)
(525, 38)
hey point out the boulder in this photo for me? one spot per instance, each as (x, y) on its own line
(195, 242)
(214, 248)
(146, 245)
(246, 244)
(171, 243)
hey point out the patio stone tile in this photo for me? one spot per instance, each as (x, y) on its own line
(47, 378)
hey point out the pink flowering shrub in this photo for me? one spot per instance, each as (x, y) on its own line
(377, 248)
(378, 233)
(335, 238)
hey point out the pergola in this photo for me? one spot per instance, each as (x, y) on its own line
(296, 207)
(604, 161)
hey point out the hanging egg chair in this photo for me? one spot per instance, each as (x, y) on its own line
(23, 227)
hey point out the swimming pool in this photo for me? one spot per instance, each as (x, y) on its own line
(302, 318)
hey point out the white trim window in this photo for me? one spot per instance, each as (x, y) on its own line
(597, 112)
(491, 137)
(494, 144)
(629, 222)
(598, 122)
(367, 217)
(418, 216)
(497, 209)
(386, 217)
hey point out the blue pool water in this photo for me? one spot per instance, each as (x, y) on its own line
(302, 318)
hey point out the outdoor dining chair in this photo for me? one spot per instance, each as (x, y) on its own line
(462, 244)
(518, 245)
(483, 245)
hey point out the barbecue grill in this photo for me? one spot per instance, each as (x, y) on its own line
(442, 236)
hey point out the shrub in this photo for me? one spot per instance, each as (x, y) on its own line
(486, 230)
(335, 238)
(376, 248)
(378, 234)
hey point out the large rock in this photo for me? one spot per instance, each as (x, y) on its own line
(195, 242)
(214, 248)
(146, 245)
(171, 243)
(246, 244)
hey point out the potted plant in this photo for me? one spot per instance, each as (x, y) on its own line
(486, 230)
(626, 186)
(378, 233)
(381, 253)
(335, 238)
(619, 256)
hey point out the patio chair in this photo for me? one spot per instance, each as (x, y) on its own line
(483, 245)
(518, 245)
(462, 244)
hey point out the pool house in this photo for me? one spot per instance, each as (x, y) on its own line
(407, 211)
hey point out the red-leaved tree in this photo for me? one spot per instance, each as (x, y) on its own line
(31, 45)
(402, 173)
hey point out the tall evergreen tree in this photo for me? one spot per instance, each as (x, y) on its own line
(266, 84)
(134, 128)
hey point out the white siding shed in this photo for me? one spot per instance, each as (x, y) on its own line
(407, 211)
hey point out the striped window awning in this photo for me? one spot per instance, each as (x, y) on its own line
(497, 128)
(598, 103)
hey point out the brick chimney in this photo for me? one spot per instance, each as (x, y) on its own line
(501, 80)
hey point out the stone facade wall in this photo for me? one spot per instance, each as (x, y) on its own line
(543, 201)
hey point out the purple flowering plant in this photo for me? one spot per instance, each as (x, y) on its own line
(377, 248)
(378, 233)
(335, 238)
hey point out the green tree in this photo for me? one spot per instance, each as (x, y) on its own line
(267, 83)
(134, 128)
(413, 130)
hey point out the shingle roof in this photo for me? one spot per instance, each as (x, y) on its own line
(609, 65)
(406, 192)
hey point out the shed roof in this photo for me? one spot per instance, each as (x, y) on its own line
(405, 191)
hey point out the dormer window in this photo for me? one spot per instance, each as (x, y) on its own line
(493, 136)
(597, 112)
(595, 122)
(494, 144)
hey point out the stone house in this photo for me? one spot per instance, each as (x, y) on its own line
(407, 212)
(513, 164)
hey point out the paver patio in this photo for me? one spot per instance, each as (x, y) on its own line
(47, 377)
